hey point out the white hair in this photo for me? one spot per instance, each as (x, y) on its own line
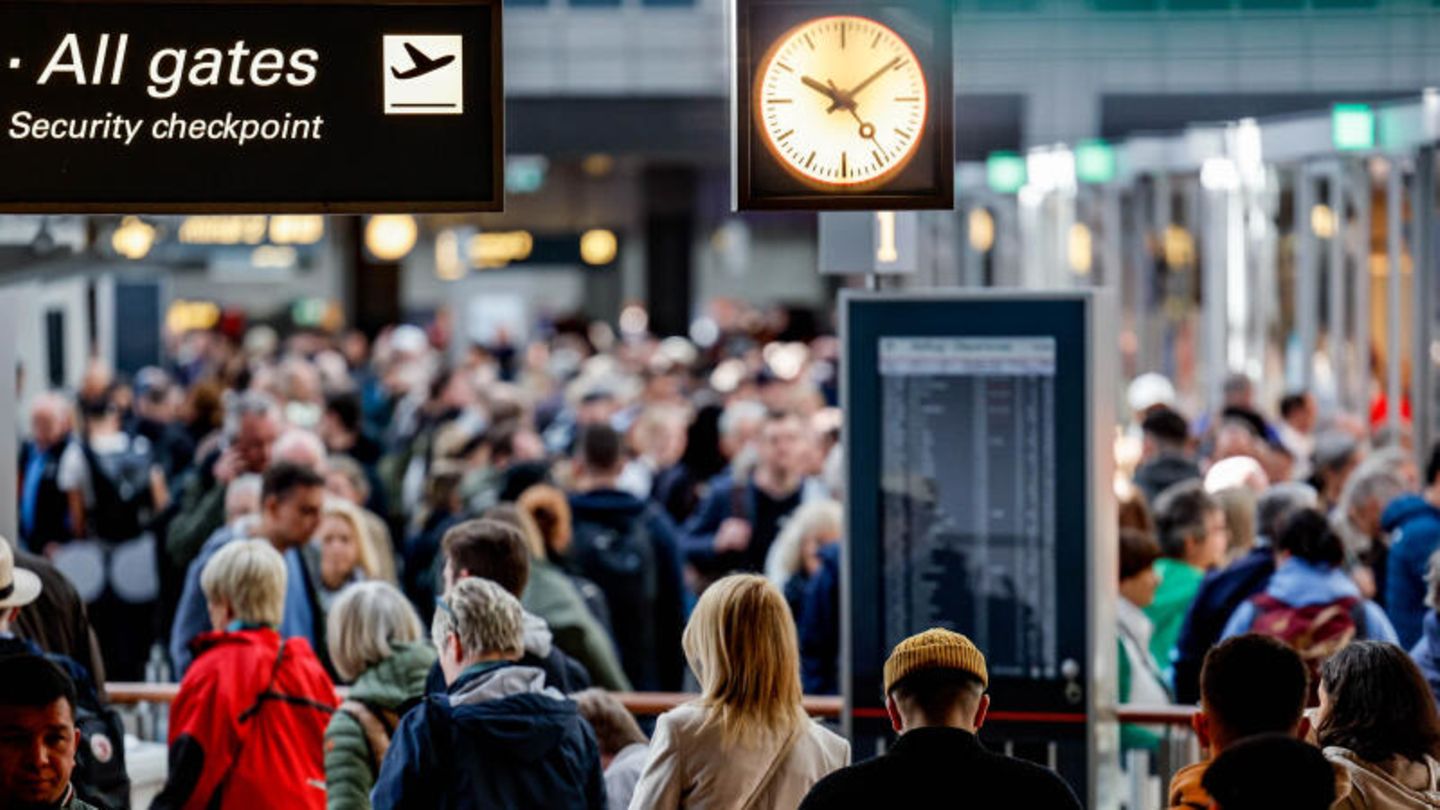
(784, 559)
(301, 447)
(248, 403)
(249, 576)
(364, 623)
(484, 616)
(740, 414)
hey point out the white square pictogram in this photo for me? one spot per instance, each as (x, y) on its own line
(424, 74)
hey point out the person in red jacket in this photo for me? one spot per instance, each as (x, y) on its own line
(248, 725)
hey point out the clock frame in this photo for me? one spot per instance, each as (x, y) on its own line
(918, 176)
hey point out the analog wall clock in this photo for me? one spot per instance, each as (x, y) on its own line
(843, 105)
(841, 102)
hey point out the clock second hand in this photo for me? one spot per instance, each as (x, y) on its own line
(864, 125)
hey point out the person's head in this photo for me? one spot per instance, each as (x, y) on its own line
(1138, 580)
(340, 423)
(38, 738)
(936, 679)
(476, 621)
(366, 623)
(1238, 391)
(345, 544)
(813, 526)
(1375, 702)
(18, 587)
(1164, 430)
(345, 479)
(549, 510)
(615, 727)
(1278, 503)
(100, 413)
(1336, 457)
(49, 420)
(488, 549)
(1235, 438)
(1191, 525)
(1249, 685)
(599, 456)
(511, 515)
(739, 424)
(245, 582)
(1238, 503)
(782, 438)
(291, 497)
(252, 422)
(242, 497)
(299, 446)
(741, 644)
(1270, 771)
(1300, 411)
(1235, 472)
(1366, 495)
(1307, 535)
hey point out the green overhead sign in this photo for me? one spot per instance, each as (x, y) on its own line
(1352, 127)
(1005, 172)
(1095, 162)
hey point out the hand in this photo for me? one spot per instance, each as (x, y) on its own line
(229, 466)
(734, 535)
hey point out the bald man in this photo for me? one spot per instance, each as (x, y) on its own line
(44, 507)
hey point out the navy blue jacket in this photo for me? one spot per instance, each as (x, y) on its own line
(1221, 592)
(1427, 653)
(1418, 524)
(499, 738)
(819, 621)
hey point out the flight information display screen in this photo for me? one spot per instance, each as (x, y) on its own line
(968, 494)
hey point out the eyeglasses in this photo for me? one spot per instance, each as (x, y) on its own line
(449, 611)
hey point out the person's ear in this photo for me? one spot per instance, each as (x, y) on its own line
(1201, 724)
(1304, 728)
(982, 711)
(452, 645)
(894, 711)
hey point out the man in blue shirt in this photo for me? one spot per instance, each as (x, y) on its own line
(1416, 520)
(291, 498)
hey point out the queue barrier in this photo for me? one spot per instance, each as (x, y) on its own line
(650, 704)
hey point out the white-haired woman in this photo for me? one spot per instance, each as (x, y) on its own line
(795, 556)
(376, 641)
(745, 743)
(346, 553)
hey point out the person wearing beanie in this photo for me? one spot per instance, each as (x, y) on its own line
(935, 686)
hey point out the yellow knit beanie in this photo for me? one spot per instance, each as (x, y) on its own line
(935, 648)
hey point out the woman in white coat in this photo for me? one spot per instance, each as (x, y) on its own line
(746, 743)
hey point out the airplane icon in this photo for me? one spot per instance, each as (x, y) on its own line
(422, 63)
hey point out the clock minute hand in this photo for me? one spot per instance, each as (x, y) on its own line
(871, 78)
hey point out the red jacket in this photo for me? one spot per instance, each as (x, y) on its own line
(248, 725)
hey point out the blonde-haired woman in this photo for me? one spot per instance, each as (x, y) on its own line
(346, 555)
(746, 743)
(794, 557)
(376, 641)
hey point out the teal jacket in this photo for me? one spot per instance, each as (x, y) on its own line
(349, 766)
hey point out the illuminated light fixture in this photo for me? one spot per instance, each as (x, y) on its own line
(1352, 127)
(597, 165)
(133, 239)
(634, 320)
(1322, 221)
(1050, 169)
(391, 237)
(525, 174)
(497, 249)
(448, 266)
(223, 230)
(309, 311)
(187, 316)
(1219, 174)
(1005, 172)
(295, 229)
(980, 229)
(1179, 247)
(1081, 249)
(273, 257)
(598, 247)
(1095, 162)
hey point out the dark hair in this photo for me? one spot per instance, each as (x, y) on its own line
(284, 477)
(1180, 515)
(600, 448)
(1138, 551)
(1253, 684)
(491, 550)
(1135, 514)
(1307, 535)
(615, 727)
(1272, 770)
(1246, 418)
(935, 692)
(1290, 403)
(346, 407)
(702, 456)
(1278, 503)
(1432, 467)
(33, 682)
(1166, 425)
(1380, 705)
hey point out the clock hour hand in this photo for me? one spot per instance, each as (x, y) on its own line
(869, 79)
(828, 91)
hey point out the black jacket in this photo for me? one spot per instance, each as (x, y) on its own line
(941, 767)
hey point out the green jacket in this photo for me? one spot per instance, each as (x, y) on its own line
(202, 511)
(349, 773)
(1179, 582)
(552, 596)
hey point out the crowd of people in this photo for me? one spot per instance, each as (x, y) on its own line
(483, 546)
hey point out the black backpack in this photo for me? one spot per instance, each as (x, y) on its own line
(121, 484)
(621, 562)
(99, 777)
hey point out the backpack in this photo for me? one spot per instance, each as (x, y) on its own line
(99, 777)
(378, 726)
(1316, 632)
(622, 564)
(121, 485)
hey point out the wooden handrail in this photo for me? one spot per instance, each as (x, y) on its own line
(649, 704)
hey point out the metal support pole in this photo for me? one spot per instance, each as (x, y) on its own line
(1111, 228)
(1214, 295)
(1364, 371)
(1335, 330)
(1307, 285)
(1393, 224)
(1422, 300)
(9, 418)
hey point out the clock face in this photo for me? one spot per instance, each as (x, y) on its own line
(840, 102)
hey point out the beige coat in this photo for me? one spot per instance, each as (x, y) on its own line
(1402, 785)
(689, 767)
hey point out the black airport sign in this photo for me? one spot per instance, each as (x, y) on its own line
(251, 106)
